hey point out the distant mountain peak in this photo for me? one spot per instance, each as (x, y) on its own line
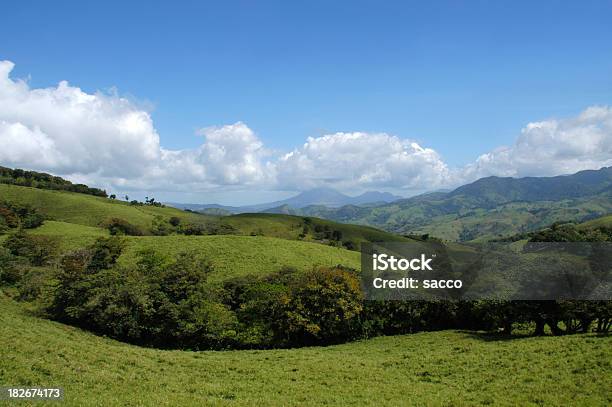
(320, 196)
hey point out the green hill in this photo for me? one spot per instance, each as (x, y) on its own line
(436, 368)
(488, 208)
(89, 210)
(230, 256)
(233, 256)
(291, 227)
(93, 211)
(604, 221)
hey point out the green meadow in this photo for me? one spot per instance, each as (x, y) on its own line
(434, 369)
(233, 256)
(430, 368)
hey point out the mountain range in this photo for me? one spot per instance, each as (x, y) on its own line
(327, 197)
(488, 208)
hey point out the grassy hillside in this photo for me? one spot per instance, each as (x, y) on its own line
(290, 227)
(70, 235)
(604, 221)
(437, 368)
(233, 256)
(459, 218)
(88, 210)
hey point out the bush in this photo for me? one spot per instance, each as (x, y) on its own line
(38, 250)
(159, 301)
(321, 306)
(118, 226)
(161, 227)
(193, 229)
(15, 215)
(9, 272)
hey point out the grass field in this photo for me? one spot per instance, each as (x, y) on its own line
(433, 369)
(88, 210)
(70, 235)
(233, 256)
(289, 227)
(230, 255)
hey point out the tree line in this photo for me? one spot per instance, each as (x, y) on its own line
(43, 180)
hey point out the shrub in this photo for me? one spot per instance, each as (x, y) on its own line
(9, 272)
(161, 227)
(193, 229)
(321, 306)
(159, 301)
(15, 215)
(118, 226)
(38, 250)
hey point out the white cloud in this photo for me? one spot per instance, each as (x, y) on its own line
(68, 131)
(552, 147)
(105, 140)
(358, 160)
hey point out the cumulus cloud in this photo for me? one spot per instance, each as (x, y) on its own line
(105, 140)
(357, 160)
(552, 147)
(65, 130)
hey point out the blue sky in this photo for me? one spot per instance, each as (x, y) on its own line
(461, 78)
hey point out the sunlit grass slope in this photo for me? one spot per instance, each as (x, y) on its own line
(230, 255)
(289, 227)
(86, 209)
(434, 369)
(93, 211)
(70, 235)
(233, 256)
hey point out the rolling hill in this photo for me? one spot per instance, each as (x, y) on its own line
(92, 211)
(488, 208)
(246, 244)
(89, 210)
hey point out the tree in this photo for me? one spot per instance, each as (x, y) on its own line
(321, 306)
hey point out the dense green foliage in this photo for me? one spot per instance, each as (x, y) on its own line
(568, 232)
(14, 215)
(118, 226)
(166, 301)
(44, 181)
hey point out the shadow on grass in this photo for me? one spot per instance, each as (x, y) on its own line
(499, 336)
(495, 336)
